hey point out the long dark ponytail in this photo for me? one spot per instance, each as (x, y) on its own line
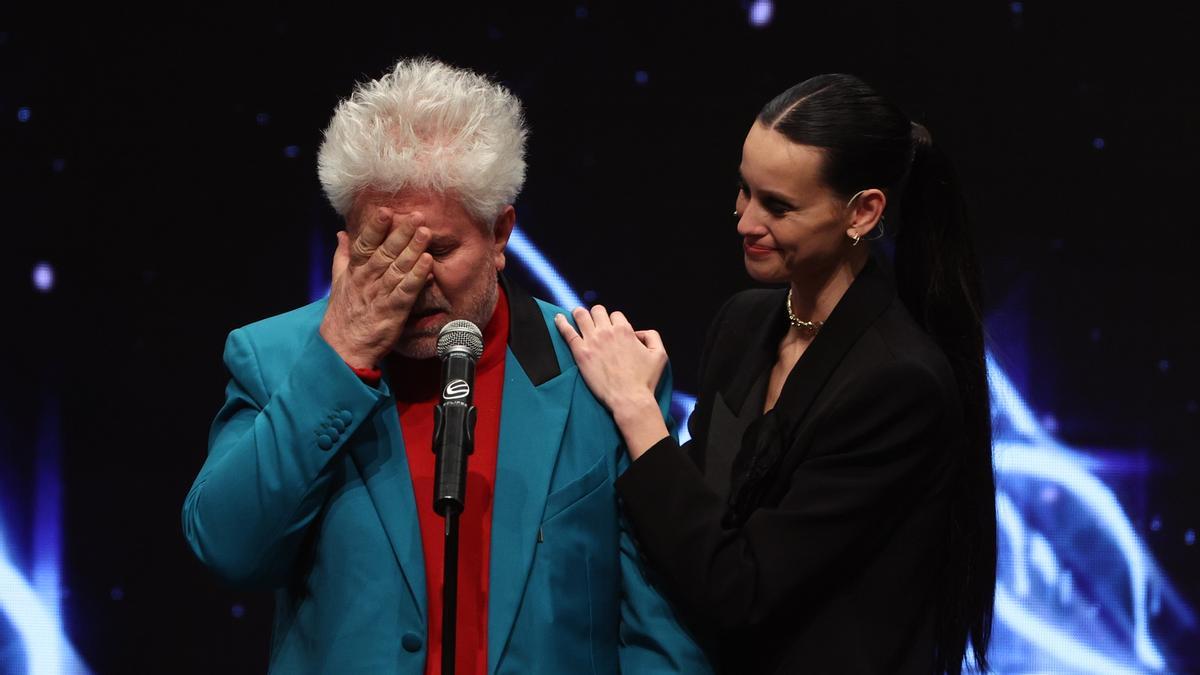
(870, 143)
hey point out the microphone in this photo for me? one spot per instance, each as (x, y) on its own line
(459, 346)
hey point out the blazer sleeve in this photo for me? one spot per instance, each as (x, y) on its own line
(269, 452)
(652, 639)
(867, 459)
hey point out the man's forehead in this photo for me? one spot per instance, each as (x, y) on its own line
(407, 199)
(442, 210)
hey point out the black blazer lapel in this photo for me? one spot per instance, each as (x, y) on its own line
(753, 349)
(528, 336)
(868, 296)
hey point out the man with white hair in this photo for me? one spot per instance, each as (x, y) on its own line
(319, 478)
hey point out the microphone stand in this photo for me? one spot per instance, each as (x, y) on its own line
(450, 594)
(454, 441)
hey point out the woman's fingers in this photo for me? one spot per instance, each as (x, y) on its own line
(566, 330)
(583, 319)
(618, 319)
(600, 316)
(650, 338)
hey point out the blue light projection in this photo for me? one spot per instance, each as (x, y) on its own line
(1077, 589)
(30, 604)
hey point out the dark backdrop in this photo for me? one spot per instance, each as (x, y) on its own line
(164, 167)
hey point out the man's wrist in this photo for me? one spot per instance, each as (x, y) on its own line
(356, 359)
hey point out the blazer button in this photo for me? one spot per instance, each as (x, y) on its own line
(346, 416)
(411, 642)
(324, 442)
(338, 424)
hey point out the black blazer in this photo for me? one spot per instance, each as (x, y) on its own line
(838, 567)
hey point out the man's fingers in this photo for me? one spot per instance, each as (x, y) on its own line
(618, 319)
(403, 263)
(416, 277)
(341, 256)
(370, 235)
(403, 228)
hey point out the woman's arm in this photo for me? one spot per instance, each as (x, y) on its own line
(871, 458)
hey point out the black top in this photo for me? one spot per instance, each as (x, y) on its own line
(726, 432)
(830, 563)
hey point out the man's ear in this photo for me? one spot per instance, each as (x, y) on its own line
(501, 230)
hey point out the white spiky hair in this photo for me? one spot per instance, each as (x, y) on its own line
(429, 126)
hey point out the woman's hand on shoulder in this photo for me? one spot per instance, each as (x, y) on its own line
(622, 368)
(620, 365)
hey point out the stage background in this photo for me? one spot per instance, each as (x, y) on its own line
(159, 189)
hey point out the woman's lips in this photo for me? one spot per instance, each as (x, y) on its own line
(755, 251)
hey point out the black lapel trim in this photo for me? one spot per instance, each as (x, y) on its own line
(528, 335)
(759, 329)
(867, 298)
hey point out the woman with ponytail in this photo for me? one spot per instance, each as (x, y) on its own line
(834, 510)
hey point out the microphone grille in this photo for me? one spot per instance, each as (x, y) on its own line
(459, 335)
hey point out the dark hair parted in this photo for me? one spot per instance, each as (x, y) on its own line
(867, 142)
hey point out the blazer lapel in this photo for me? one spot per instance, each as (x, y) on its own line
(868, 296)
(383, 464)
(764, 328)
(533, 415)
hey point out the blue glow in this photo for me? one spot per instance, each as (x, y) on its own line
(292, 151)
(1098, 143)
(641, 77)
(682, 406)
(32, 604)
(43, 277)
(262, 119)
(1059, 606)
(1016, 7)
(761, 13)
(320, 257)
(24, 114)
(541, 269)
(37, 623)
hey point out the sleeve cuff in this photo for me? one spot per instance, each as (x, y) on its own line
(369, 376)
(644, 472)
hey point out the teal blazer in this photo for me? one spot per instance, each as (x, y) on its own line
(306, 491)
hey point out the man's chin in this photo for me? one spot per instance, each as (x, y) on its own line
(420, 336)
(417, 346)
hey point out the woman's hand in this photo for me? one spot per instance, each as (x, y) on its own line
(622, 367)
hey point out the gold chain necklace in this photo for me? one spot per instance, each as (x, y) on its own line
(811, 326)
